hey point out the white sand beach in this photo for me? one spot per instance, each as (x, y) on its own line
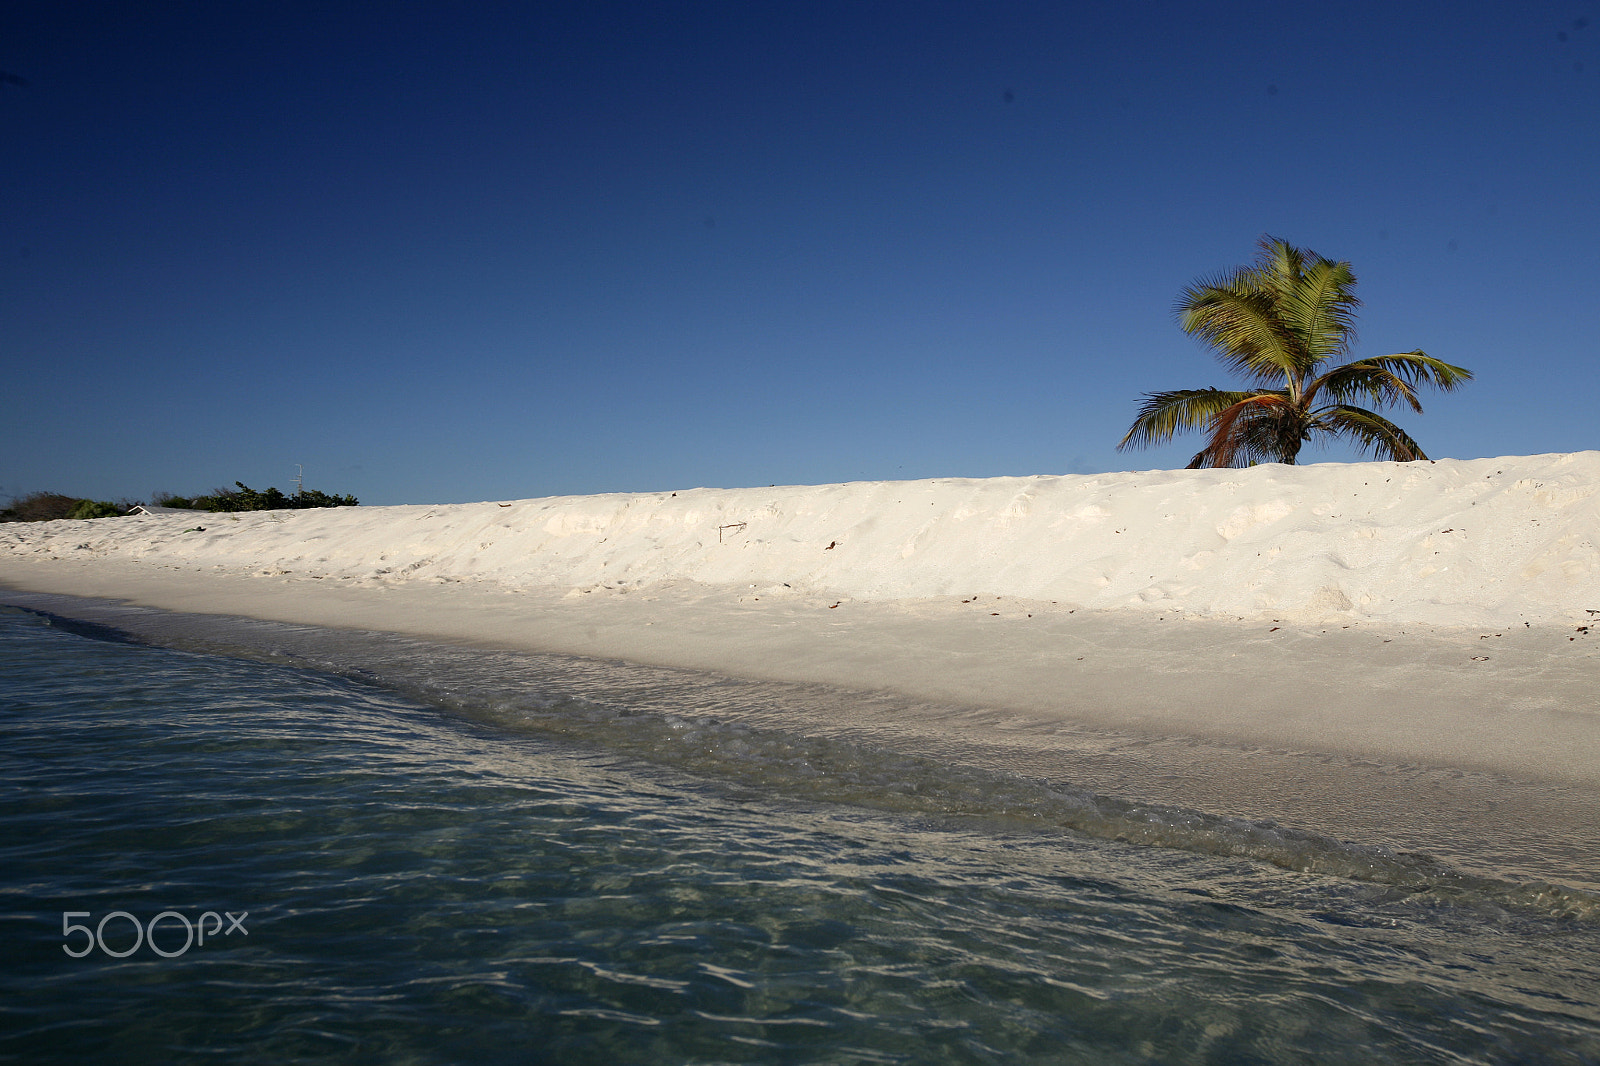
(1435, 614)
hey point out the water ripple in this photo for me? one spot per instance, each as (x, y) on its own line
(566, 879)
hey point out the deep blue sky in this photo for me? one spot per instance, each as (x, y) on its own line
(441, 252)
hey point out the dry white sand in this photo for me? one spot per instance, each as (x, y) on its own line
(1428, 613)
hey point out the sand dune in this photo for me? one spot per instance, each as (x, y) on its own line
(1437, 612)
(1482, 542)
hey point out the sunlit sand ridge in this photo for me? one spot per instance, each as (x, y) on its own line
(1434, 610)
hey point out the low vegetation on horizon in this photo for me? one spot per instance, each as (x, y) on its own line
(248, 499)
(51, 506)
(1277, 323)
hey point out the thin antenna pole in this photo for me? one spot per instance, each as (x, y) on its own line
(299, 480)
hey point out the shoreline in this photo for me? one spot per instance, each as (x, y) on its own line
(1483, 786)
(1373, 719)
(1513, 699)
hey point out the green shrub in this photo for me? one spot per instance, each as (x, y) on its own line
(249, 499)
(39, 507)
(53, 506)
(56, 506)
(96, 509)
(50, 506)
(313, 498)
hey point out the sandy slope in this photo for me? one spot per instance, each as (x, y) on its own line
(1426, 612)
(1484, 542)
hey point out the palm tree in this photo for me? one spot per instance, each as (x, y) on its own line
(1276, 323)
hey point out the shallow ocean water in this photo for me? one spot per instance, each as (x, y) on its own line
(473, 856)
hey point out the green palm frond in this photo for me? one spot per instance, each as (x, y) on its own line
(1419, 368)
(1376, 384)
(1320, 311)
(1370, 433)
(1242, 328)
(1389, 380)
(1278, 264)
(1163, 415)
(1277, 319)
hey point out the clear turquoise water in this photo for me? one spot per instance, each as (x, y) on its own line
(512, 859)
